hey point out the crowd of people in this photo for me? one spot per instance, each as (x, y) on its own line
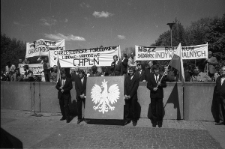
(209, 73)
(134, 71)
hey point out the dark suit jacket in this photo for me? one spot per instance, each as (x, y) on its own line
(147, 74)
(131, 86)
(116, 68)
(74, 76)
(67, 87)
(124, 66)
(141, 75)
(152, 83)
(80, 88)
(220, 89)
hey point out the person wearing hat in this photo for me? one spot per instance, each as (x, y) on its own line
(64, 85)
(80, 86)
(211, 62)
(130, 92)
(155, 85)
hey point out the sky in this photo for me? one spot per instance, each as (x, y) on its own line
(93, 23)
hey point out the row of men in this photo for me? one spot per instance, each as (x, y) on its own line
(155, 84)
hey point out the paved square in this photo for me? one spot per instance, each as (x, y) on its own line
(102, 136)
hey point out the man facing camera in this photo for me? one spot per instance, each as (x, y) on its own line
(80, 86)
(130, 92)
(64, 85)
(155, 85)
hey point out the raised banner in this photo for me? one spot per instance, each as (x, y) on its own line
(105, 98)
(35, 68)
(41, 47)
(84, 57)
(166, 53)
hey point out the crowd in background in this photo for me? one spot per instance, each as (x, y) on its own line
(192, 73)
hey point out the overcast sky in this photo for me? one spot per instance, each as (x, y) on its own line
(92, 23)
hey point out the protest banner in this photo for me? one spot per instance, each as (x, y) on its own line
(105, 98)
(166, 53)
(84, 57)
(35, 68)
(41, 47)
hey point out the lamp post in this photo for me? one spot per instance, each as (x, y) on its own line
(171, 27)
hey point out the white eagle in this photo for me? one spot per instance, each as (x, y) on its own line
(104, 98)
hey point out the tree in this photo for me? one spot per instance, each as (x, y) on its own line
(178, 32)
(11, 50)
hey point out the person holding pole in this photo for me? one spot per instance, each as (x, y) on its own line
(156, 83)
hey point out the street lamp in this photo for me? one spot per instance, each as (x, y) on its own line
(171, 27)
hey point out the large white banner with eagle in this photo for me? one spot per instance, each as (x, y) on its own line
(105, 98)
(41, 47)
(102, 56)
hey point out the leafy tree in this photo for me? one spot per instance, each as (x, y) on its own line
(11, 50)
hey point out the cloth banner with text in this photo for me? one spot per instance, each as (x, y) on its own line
(104, 98)
(41, 47)
(166, 53)
(84, 57)
(35, 68)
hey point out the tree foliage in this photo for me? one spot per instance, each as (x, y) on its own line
(11, 50)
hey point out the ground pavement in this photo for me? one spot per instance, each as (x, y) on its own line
(48, 132)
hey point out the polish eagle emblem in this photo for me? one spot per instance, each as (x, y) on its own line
(104, 98)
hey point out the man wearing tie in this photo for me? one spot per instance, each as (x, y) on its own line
(130, 92)
(80, 87)
(64, 85)
(220, 93)
(155, 85)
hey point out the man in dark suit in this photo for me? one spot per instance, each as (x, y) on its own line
(130, 92)
(220, 93)
(140, 72)
(64, 85)
(116, 66)
(124, 64)
(155, 85)
(80, 86)
(75, 74)
(148, 70)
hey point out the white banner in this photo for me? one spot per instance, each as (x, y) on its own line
(36, 68)
(84, 57)
(41, 47)
(166, 53)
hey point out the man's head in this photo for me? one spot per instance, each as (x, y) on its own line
(196, 70)
(223, 71)
(131, 71)
(150, 63)
(54, 68)
(94, 69)
(139, 66)
(210, 54)
(124, 55)
(155, 69)
(81, 73)
(115, 58)
(132, 55)
(76, 68)
(63, 74)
